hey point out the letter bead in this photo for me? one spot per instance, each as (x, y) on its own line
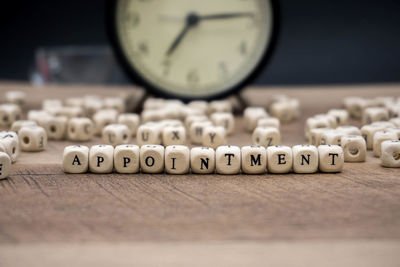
(173, 135)
(152, 158)
(56, 127)
(381, 136)
(149, 133)
(354, 148)
(228, 159)
(225, 120)
(177, 159)
(202, 160)
(331, 158)
(80, 129)
(266, 136)
(116, 134)
(104, 117)
(32, 138)
(131, 120)
(126, 159)
(305, 159)
(331, 137)
(76, 159)
(214, 136)
(196, 131)
(21, 123)
(9, 113)
(280, 159)
(10, 144)
(101, 159)
(254, 159)
(252, 115)
(390, 155)
(5, 165)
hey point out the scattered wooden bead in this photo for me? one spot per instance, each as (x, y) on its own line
(56, 127)
(252, 115)
(228, 159)
(268, 122)
(266, 136)
(315, 135)
(331, 158)
(148, 134)
(21, 123)
(349, 130)
(152, 158)
(219, 106)
(80, 129)
(126, 159)
(225, 120)
(76, 159)
(173, 135)
(373, 114)
(341, 115)
(331, 137)
(313, 123)
(355, 106)
(5, 165)
(16, 97)
(32, 138)
(279, 159)
(104, 117)
(381, 136)
(116, 103)
(286, 111)
(116, 134)
(395, 121)
(38, 116)
(254, 159)
(354, 148)
(101, 159)
(177, 159)
(214, 136)
(202, 160)
(131, 120)
(10, 144)
(9, 113)
(390, 153)
(196, 131)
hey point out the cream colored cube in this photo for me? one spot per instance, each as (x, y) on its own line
(38, 116)
(384, 124)
(116, 103)
(49, 104)
(173, 135)
(152, 158)
(56, 127)
(101, 159)
(354, 148)
(16, 97)
(152, 115)
(116, 134)
(349, 130)
(331, 158)
(74, 102)
(148, 134)
(170, 123)
(5, 165)
(199, 104)
(331, 137)
(32, 138)
(341, 115)
(219, 106)
(313, 123)
(10, 144)
(280, 159)
(196, 131)
(390, 153)
(92, 104)
(225, 120)
(373, 114)
(355, 106)
(69, 112)
(21, 123)
(315, 135)
(228, 159)
(268, 122)
(126, 159)
(194, 118)
(131, 120)
(266, 136)
(104, 117)
(395, 121)
(381, 136)
(251, 116)
(330, 118)
(9, 113)
(254, 159)
(76, 159)
(214, 136)
(395, 130)
(305, 159)
(153, 103)
(177, 159)
(286, 110)
(202, 160)
(368, 131)
(80, 129)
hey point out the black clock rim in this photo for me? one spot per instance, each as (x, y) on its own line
(135, 77)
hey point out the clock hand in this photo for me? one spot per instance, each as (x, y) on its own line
(191, 21)
(226, 15)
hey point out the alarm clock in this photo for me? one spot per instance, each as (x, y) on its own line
(193, 49)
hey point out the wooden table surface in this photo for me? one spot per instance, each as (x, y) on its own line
(350, 218)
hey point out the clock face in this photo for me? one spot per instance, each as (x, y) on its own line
(191, 48)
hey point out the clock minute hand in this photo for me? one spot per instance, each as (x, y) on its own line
(226, 15)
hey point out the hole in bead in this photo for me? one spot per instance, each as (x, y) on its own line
(26, 140)
(125, 136)
(53, 128)
(353, 151)
(13, 150)
(396, 155)
(72, 129)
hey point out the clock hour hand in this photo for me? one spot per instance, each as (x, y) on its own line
(191, 21)
(226, 16)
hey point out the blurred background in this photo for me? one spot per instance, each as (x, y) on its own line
(321, 42)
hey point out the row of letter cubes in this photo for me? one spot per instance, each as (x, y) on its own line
(179, 159)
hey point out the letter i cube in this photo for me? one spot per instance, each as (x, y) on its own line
(177, 159)
(126, 159)
(76, 159)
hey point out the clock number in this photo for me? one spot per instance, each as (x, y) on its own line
(243, 48)
(135, 19)
(222, 70)
(143, 48)
(192, 78)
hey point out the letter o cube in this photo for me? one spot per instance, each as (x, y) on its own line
(152, 158)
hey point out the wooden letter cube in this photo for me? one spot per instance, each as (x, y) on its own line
(349, 130)
(196, 131)
(266, 136)
(5, 165)
(80, 129)
(341, 115)
(104, 117)
(381, 136)
(116, 134)
(268, 122)
(373, 114)
(315, 135)
(177, 159)
(280, 159)
(331, 158)
(251, 116)
(76, 159)
(101, 159)
(305, 159)
(16, 97)
(219, 106)
(152, 158)
(354, 148)
(21, 123)
(9, 113)
(202, 160)
(390, 154)
(126, 159)
(331, 137)
(368, 132)
(228, 159)
(148, 134)
(32, 138)
(172, 135)
(225, 120)
(254, 159)
(56, 127)
(214, 136)
(131, 120)
(10, 144)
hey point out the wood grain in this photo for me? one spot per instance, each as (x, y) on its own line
(39, 203)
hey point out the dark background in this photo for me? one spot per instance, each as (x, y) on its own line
(320, 41)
